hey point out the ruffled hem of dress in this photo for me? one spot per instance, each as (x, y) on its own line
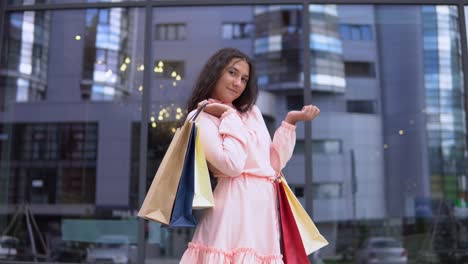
(200, 254)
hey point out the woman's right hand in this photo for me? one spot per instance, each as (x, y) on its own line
(214, 107)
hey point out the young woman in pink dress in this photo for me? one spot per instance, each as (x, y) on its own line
(243, 225)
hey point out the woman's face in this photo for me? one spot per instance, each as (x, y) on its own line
(232, 82)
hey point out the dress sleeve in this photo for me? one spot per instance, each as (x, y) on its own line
(225, 145)
(281, 149)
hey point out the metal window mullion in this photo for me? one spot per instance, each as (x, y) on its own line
(146, 101)
(307, 100)
(187, 3)
(2, 23)
(464, 50)
(67, 6)
(288, 2)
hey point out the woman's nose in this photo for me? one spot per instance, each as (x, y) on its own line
(238, 81)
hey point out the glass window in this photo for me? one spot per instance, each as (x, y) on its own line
(169, 70)
(345, 31)
(327, 190)
(170, 31)
(298, 191)
(237, 30)
(25, 58)
(356, 32)
(359, 69)
(361, 106)
(109, 71)
(366, 33)
(294, 102)
(320, 146)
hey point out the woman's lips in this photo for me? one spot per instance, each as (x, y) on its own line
(233, 91)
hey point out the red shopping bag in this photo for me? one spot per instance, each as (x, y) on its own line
(291, 242)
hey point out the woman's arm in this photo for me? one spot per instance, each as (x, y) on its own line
(224, 145)
(284, 140)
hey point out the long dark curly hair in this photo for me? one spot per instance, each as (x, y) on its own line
(211, 73)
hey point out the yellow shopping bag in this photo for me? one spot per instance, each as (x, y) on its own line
(203, 197)
(311, 237)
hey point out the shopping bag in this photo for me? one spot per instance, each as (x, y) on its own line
(203, 197)
(310, 235)
(182, 210)
(291, 243)
(159, 201)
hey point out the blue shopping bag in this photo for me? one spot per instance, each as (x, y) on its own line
(182, 210)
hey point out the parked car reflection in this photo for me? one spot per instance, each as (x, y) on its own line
(381, 250)
(112, 249)
(68, 251)
(8, 247)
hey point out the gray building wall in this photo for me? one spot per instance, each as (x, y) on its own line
(403, 103)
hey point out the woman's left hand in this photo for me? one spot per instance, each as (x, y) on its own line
(308, 112)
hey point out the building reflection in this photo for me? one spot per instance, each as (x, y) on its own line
(387, 151)
(25, 52)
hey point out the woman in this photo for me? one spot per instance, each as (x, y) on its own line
(243, 225)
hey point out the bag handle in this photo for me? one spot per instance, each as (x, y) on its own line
(198, 112)
(279, 177)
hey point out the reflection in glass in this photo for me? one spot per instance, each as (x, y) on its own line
(238, 30)
(444, 99)
(277, 50)
(42, 156)
(109, 50)
(277, 37)
(327, 190)
(356, 32)
(24, 57)
(60, 153)
(171, 31)
(169, 70)
(205, 30)
(327, 67)
(388, 148)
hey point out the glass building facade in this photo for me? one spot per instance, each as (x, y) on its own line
(90, 98)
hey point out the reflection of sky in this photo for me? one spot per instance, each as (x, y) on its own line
(324, 9)
(260, 9)
(439, 51)
(443, 84)
(318, 42)
(109, 32)
(27, 40)
(108, 37)
(25, 24)
(324, 79)
(100, 92)
(16, 20)
(22, 90)
(325, 43)
(268, 44)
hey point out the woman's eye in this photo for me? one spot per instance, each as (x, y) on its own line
(232, 72)
(244, 80)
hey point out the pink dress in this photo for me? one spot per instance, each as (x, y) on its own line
(243, 225)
